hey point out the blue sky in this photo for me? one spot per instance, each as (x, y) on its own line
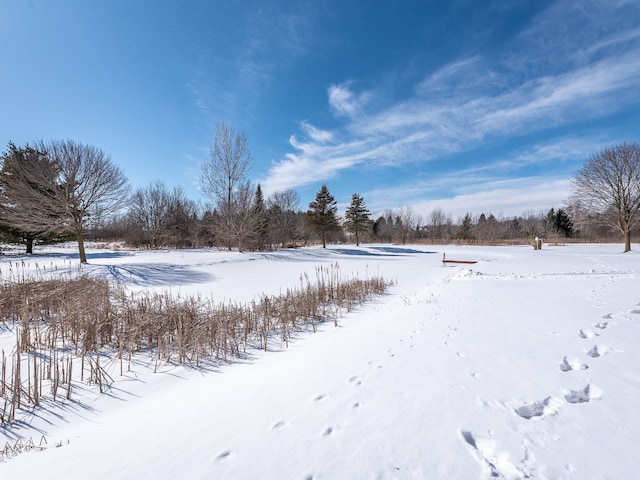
(463, 105)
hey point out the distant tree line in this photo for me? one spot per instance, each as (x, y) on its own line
(62, 190)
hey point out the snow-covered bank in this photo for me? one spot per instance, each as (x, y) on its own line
(524, 364)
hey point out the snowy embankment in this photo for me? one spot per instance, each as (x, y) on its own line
(523, 365)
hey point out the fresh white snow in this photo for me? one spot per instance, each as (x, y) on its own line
(523, 365)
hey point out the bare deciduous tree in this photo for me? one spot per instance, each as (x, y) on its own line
(407, 224)
(225, 171)
(243, 219)
(283, 219)
(91, 186)
(162, 217)
(439, 225)
(149, 208)
(610, 183)
(383, 226)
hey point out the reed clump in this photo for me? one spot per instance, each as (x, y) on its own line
(68, 329)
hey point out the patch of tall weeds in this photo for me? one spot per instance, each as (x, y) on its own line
(63, 327)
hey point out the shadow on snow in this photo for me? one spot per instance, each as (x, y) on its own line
(152, 274)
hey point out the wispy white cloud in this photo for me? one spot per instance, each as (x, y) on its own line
(229, 82)
(498, 175)
(316, 134)
(504, 197)
(511, 198)
(313, 161)
(589, 91)
(344, 102)
(479, 99)
(566, 149)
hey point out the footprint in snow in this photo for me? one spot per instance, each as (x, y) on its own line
(635, 312)
(497, 462)
(598, 351)
(548, 406)
(355, 380)
(569, 364)
(586, 333)
(602, 325)
(588, 393)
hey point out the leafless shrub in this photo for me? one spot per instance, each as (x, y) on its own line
(21, 445)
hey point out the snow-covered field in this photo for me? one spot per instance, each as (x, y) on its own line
(523, 365)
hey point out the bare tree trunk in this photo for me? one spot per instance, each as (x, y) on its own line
(627, 240)
(81, 251)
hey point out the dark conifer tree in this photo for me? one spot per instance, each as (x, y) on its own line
(357, 217)
(563, 223)
(465, 232)
(260, 212)
(26, 175)
(321, 216)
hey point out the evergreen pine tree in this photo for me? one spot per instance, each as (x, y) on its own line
(30, 172)
(260, 212)
(563, 223)
(357, 217)
(321, 216)
(465, 231)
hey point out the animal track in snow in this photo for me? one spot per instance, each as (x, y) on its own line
(635, 312)
(607, 316)
(598, 351)
(602, 325)
(588, 393)
(329, 431)
(569, 364)
(355, 380)
(319, 397)
(279, 425)
(548, 406)
(223, 455)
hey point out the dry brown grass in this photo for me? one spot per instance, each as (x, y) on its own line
(63, 327)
